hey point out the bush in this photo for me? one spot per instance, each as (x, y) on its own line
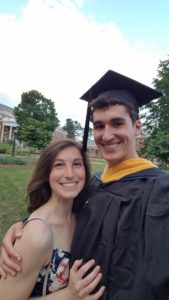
(5, 147)
(28, 151)
(12, 160)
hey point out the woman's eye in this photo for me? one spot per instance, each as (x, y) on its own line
(78, 164)
(58, 165)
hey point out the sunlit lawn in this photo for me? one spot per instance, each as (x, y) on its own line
(13, 183)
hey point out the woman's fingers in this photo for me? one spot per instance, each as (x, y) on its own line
(97, 295)
(94, 281)
(85, 268)
(77, 264)
(86, 281)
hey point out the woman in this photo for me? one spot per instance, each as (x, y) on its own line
(60, 175)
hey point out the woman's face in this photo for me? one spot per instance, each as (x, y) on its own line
(67, 176)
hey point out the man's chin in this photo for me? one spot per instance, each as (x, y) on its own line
(112, 160)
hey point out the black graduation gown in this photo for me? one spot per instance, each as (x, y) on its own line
(124, 226)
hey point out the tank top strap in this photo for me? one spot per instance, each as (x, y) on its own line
(44, 221)
(37, 218)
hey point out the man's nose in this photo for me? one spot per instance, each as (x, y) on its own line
(108, 133)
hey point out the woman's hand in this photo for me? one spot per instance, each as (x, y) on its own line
(9, 258)
(81, 286)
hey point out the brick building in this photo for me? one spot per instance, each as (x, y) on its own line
(59, 134)
(92, 149)
(7, 123)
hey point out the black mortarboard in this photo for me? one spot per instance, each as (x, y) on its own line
(121, 86)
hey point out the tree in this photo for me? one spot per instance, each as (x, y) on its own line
(156, 117)
(90, 133)
(36, 118)
(77, 129)
(73, 128)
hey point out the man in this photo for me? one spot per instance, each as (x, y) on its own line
(125, 219)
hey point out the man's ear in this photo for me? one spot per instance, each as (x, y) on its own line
(138, 128)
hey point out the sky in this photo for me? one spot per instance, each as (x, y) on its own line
(62, 47)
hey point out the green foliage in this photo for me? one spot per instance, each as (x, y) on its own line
(158, 147)
(73, 128)
(156, 118)
(24, 151)
(5, 147)
(36, 118)
(19, 160)
(12, 160)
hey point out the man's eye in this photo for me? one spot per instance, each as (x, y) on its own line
(118, 124)
(98, 126)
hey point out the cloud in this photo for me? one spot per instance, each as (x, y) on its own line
(53, 48)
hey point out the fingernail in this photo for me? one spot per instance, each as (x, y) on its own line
(13, 273)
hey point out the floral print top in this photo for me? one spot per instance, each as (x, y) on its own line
(58, 274)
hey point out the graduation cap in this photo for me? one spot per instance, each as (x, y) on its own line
(120, 86)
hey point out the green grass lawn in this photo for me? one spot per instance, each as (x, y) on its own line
(97, 164)
(13, 184)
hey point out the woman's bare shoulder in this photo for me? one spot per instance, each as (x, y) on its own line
(37, 235)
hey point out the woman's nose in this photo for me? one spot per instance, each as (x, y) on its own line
(69, 171)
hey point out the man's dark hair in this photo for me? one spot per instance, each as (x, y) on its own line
(105, 101)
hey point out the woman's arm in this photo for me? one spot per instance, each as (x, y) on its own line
(17, 230)
(35, 247)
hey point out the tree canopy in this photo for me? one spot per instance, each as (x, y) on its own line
(73, 128)
(36, 118)
(156, 116)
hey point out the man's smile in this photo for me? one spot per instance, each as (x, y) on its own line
(111, 146)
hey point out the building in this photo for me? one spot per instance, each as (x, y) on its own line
(59, 134)
(7, 123)
(92, 149)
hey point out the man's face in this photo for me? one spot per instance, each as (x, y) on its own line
(115, 134)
